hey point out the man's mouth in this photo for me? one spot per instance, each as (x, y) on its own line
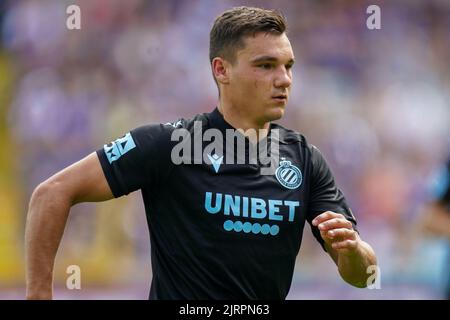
(280, 97)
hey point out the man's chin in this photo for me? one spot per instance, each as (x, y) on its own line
(276, 113)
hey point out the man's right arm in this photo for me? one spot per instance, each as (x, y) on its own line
(83, 181)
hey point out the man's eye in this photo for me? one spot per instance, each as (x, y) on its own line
(266, 66)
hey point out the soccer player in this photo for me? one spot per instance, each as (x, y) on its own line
(436, 214)
(218, 229)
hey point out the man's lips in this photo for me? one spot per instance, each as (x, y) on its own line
(280, 97)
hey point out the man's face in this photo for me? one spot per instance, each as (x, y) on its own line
(261, 76)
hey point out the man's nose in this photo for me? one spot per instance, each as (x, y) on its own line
(283, 78)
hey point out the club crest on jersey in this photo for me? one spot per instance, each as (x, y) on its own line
(288, 175)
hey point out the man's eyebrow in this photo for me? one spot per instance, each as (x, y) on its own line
(269, 59)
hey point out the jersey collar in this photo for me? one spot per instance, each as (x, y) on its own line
(217, 121)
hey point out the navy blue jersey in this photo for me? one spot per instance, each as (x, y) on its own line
(221, 230)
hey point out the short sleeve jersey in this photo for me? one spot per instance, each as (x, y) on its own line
(221, 229)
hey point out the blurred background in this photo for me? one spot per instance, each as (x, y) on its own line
(376, 102)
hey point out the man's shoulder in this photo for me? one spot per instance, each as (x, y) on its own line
(165, 129)
(200, 119)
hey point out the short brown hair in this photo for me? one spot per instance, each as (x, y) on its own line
(229, 29)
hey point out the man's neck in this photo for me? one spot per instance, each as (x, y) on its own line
(242, 123)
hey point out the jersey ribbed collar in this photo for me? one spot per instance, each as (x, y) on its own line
(217, 121)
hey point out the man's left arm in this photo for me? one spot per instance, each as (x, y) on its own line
(351, 254)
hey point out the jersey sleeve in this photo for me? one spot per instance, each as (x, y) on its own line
(135, 160)
(324, 194)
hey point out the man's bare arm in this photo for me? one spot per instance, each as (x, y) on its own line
(48, 210)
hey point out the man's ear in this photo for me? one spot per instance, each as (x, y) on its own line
(221, 70)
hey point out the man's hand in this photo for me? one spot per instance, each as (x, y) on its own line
(351, 255)
(337, 232)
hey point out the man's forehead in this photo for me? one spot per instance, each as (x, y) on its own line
(266, 45)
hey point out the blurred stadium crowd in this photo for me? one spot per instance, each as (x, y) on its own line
(376, 102)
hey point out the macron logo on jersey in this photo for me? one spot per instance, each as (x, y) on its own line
(118, 148)
(216, 161)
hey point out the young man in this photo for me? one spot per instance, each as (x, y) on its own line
(218, 229)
